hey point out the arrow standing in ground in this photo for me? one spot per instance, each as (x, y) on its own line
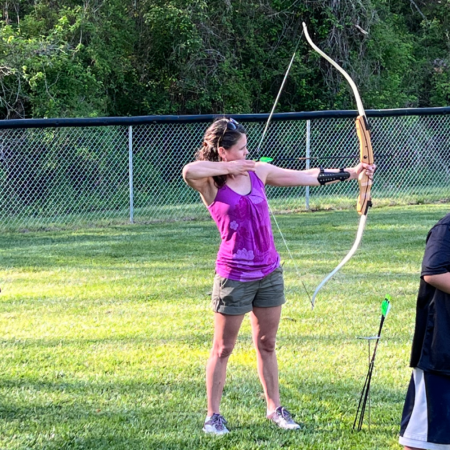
(385, 308)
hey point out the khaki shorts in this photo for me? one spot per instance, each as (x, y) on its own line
(238, 297)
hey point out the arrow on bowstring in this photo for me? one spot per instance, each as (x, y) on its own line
(269, 159)
(385, 308)
(366, 156)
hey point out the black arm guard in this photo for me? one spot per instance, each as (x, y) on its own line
(328, 177)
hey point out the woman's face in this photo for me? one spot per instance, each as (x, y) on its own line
(237, 151)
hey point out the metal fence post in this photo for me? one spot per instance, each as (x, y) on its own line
(308, 153)
(130, 170)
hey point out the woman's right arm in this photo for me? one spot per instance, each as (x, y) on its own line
(196, 172)
(199, 170)
(199, 175)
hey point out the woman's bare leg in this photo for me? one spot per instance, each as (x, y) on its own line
(265, 323)
(226, 329)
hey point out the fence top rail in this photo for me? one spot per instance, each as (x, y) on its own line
(142, 120)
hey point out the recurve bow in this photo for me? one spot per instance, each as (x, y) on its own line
(366, 156)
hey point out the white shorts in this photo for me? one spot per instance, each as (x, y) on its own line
(426, 414)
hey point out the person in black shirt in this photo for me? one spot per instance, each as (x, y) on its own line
(426, 413)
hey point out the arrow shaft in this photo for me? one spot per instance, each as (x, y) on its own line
(366, 388)
(319, 158)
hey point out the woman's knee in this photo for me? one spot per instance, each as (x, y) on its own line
(265, 344)
(222, 349)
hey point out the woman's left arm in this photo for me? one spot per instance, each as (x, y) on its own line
(277, 176)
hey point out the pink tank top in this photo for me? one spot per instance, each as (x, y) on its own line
(247, 251)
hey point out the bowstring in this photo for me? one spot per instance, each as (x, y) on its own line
(258, 151)
(290, 255)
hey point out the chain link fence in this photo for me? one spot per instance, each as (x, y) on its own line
(102, 171)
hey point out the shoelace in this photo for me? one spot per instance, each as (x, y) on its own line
(284, 413)
(218, 421)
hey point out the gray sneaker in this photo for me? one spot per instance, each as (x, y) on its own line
(215, 425)
(282, 417)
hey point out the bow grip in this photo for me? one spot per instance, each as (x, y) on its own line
(366, 156)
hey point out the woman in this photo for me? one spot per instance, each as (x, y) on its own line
(249, 277)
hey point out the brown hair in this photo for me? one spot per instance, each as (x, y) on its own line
(219, 134)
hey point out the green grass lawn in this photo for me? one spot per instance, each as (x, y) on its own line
(105, 334)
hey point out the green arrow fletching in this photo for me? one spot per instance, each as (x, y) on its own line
(386, 306)
(265, 159)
